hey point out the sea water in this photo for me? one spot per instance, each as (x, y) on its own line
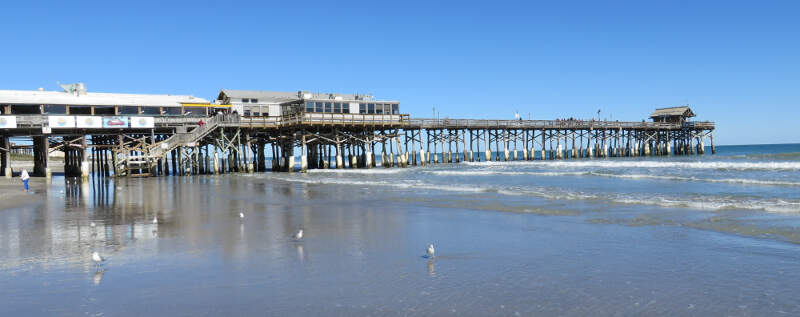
(681, 235)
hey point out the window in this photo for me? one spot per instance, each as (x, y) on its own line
(309, 106)
(362, 108)
(172, 111)
(156, 111)
(50, 109)
(133, 110)
(318, 107)
(253, 100)
(395, 109)
(80, 110)
(345, 108)
(247, 113)
(371, 108)
(245, 100)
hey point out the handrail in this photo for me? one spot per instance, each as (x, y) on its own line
(231, 120)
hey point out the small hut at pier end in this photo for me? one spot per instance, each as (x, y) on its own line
(672, 114)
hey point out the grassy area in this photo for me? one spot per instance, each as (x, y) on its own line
(21, 157)
(24, 157)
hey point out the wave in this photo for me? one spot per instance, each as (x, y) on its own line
(706, 202)
(719, 165)
(785, 156)
(744, 181)
(358, 171)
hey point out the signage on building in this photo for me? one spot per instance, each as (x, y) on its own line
(61, 122)
(142, 122)
(115, 122)
(8, 122)
(88, 122)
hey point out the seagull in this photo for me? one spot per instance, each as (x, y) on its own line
(298, 235)
(97, 259)
(241, 215)
(92, 224)
(155, 220)
(430, 250)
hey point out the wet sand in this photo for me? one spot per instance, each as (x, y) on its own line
(363, 255)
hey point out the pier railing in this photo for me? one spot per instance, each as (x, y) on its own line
(390, 120)
(549, 124)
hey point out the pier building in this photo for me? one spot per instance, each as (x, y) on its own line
(242, 131)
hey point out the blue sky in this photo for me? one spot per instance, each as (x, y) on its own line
(736, 63)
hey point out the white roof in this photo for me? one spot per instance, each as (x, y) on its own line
(36, 97)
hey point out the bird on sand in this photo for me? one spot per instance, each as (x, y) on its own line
(298, 235)
(155, 220)
(97, 259)
(430, 252)
(241, 215)
(92, 224)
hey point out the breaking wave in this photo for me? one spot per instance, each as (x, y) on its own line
(716, 165)
(705, 202)
(744, 181)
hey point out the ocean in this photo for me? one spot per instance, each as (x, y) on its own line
(658, 236)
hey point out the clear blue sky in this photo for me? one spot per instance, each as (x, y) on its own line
(736, 63)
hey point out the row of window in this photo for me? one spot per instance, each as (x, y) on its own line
(250, 100)
(378, 108)
(106, 110)
(328, 107)
(363, 108)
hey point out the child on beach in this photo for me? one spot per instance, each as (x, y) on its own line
(24, 175)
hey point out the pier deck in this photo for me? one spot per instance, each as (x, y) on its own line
(229, 143)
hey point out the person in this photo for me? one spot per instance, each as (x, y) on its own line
(201, 123)
(25, 177)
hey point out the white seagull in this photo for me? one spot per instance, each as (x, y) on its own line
(155, 220)
(97, 259)
(430, 250)
(241, 215)
(92, 224)
(298, 235)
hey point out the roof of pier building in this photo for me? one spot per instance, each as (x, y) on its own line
(42, 97)
(278, 97)
(682, 111)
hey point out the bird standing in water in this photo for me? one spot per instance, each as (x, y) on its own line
(298, 235)
(155, 220)
(241, 215)
(97, 259)
(430, 252)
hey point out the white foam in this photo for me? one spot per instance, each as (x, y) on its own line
(358, 171)
(649, 164)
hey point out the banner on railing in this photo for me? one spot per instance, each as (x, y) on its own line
(88, 122)
(61, 122)
(142, 122)
(8, 122)
(115, 122)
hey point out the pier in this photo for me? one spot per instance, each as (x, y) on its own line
(104, 140)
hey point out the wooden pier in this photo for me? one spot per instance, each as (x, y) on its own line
(229, 143)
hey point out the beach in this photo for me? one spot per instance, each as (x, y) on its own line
(658, 237)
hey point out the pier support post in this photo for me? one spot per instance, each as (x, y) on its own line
(41, 153)
(84, 159)
(544, 151)
(713, 149)
(303, 154)
(216, 161)
(488, 154)
(368, 156)
(5, 156)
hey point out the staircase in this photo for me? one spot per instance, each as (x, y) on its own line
(145, 165)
